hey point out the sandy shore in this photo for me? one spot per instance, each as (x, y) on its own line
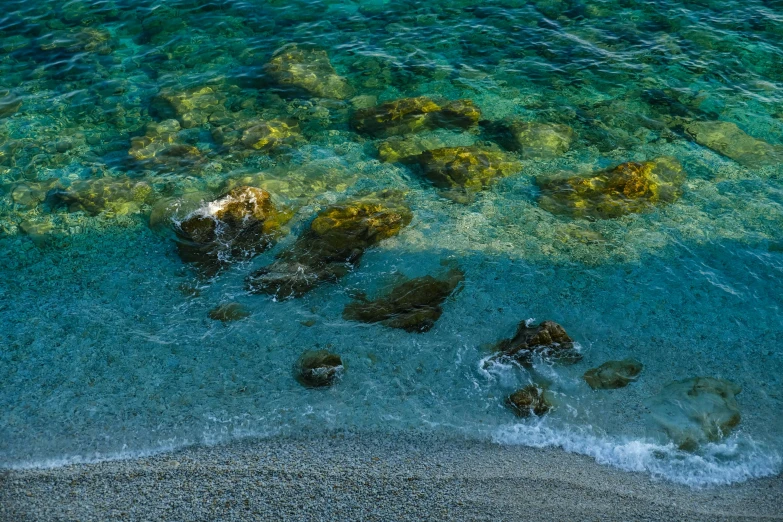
(412, 478)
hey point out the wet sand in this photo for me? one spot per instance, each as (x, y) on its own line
(369, 478)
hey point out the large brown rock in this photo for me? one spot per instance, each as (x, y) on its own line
(332, 245)
(317, 369)
(238, 225)
(630, 187)
(530, 400)
(413, 305)
(548, 340)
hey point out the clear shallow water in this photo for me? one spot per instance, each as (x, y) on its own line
(107, 351)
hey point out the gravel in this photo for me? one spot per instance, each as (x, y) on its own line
(369, 478)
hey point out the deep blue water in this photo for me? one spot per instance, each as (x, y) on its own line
(106, 344)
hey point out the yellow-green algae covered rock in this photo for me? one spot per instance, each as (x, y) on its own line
(729, 140)
(630, 187)
(413, 305)
(464, 170)
(118, 196)
(409, 115)
(192, 107)
(237, 225)
(334, 243)
(309, 70)
(406, 149)
(261, 135)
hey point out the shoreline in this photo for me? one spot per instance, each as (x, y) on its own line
(357, 477)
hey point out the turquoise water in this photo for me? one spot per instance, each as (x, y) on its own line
(107, 349)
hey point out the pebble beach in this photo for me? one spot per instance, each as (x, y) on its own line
(369, 478)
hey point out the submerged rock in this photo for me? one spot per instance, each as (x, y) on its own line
(192, 107)
(238, 225)
(530, 400)
(407, 149)
(309, 70)
(548, 340)
(160, 145)
(408, 115)
(533, 140)
(461, 171)
(228, 312)
(332, 245)
(77, 40)
(627, 188)
(613, 374)
(118, 196)
(695, 411)
(9, 104)
(413, 306)
(729, 140)
(316, 369)
(257, 134)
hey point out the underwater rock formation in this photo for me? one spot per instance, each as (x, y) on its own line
(531, 139)
(727, 139)
(317, 369)
(228, 312)
(77, 40)
(530, 400)
(548, 340)
(307, 69)
(630, 187)
(160, 145)
(409, 115)
(257, 134)
(697, 410)
(9, 104)
(413, 306)
(461, 171)
(332, 245)
(119, 196)
(613, 374)
(238, 225)
(406, 149)
(192, 107)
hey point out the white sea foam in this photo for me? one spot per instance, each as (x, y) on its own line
(735, 459)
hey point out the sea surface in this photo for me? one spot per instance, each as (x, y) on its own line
(115, 112)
